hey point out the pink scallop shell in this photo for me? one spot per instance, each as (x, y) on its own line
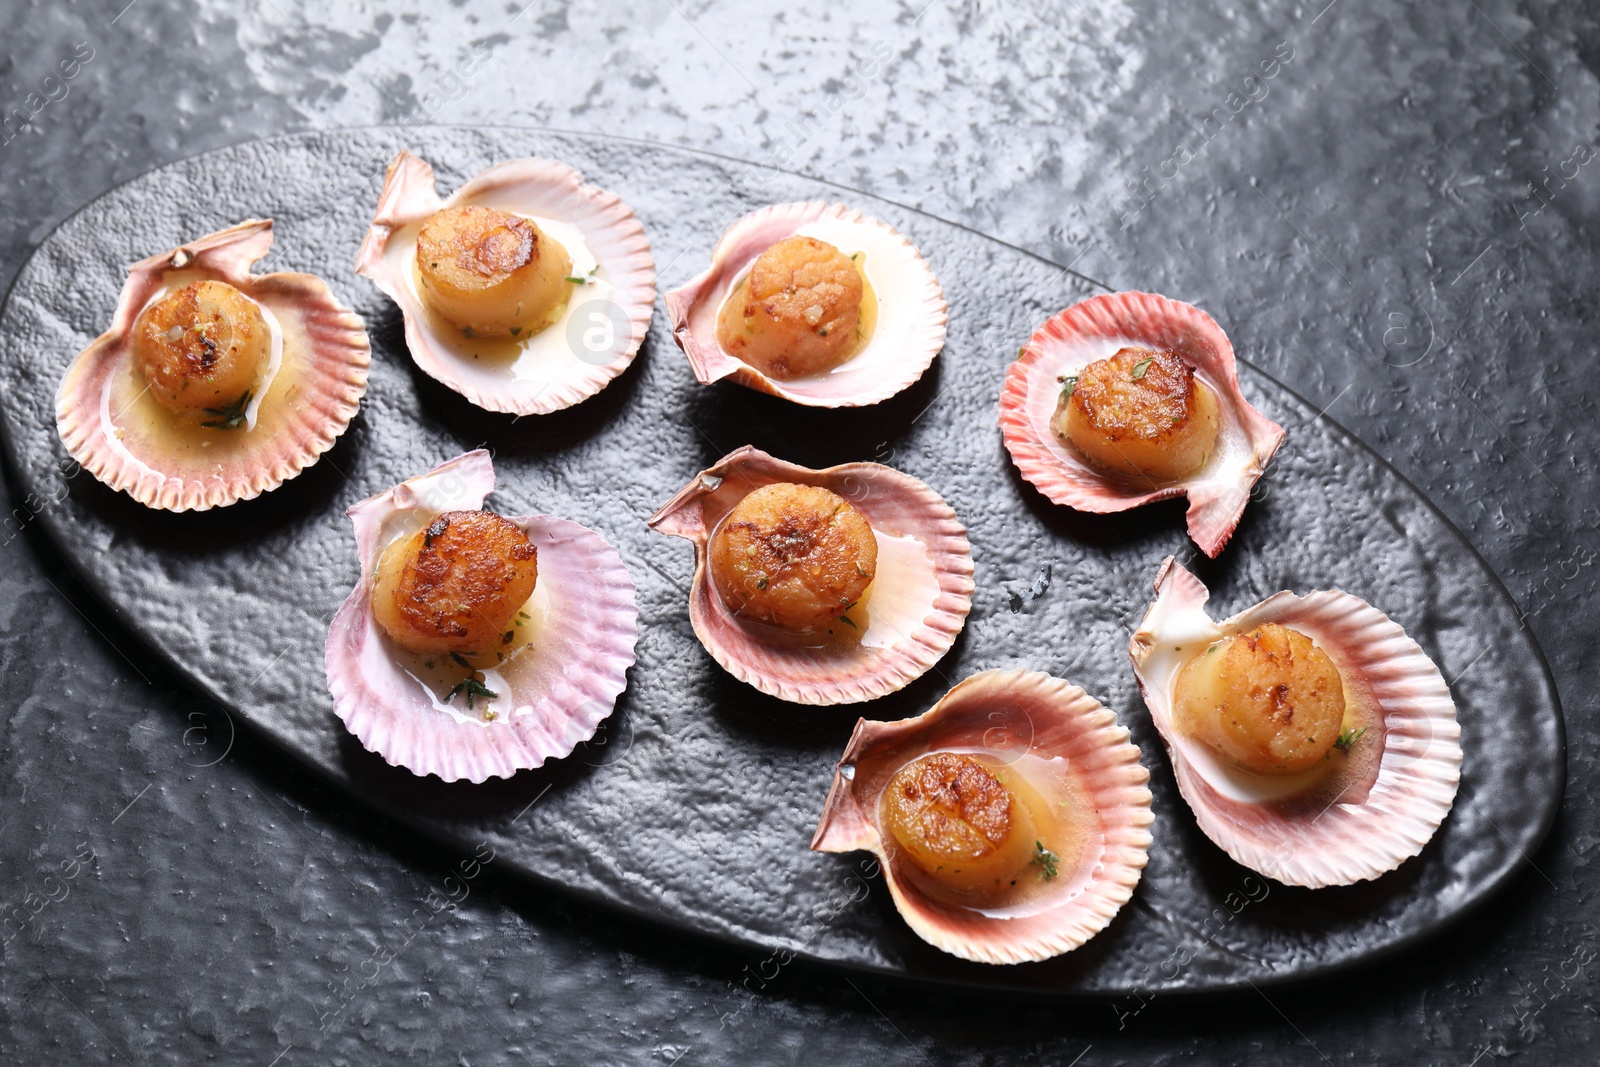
(326, 401)
(1095, 329)
(540, 187)
(1064, 722)
(561, 691)
(899, 352)
(1382, 815)
(895, 505)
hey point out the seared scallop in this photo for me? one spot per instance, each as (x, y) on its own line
(491, 272)
(797, 311)
(959, 823)
(455, 585)
(1140, 412)
(797, 556)
(202, 348)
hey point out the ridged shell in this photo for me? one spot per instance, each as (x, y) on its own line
(988, 713)
(131, 444)
(1095, 329)
(560, 689)
(1385, 805)
(569, 361)
(911, 306)
(923, 558)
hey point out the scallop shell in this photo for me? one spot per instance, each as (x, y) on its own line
(1095, 329)
(911, 306)
(916, 605)
(1391, 792)
(316, 381)
(569, 361)
(555, 690)
(1009, 715)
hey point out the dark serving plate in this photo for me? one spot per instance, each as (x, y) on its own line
(695, 803)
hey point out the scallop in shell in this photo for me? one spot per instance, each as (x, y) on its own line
(1070, 790)
(553, 676)
(1216, 442)
(276, 365)
(583, 324)
(877, 348)
(914, 599)
(1382, 788)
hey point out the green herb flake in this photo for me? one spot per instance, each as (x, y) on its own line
(515, 330)
(466, 331)
(863, 573)
(1347, 738)
(473, 688)
(761, 583)
(1068, 384)
(1140, 368)
(1213, 648)
(1047, 862)
(594, 270)
(577, 281)
(505, 638)
(461, 660)
(231, 417)
(849, 620)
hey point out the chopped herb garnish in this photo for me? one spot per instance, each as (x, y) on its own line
(515, 330)
(577, 281)
(461, 660)
(466, 331)
(761, 583)
(1046, 861)
(822, 332)
(1347, 738)
(847, 619)
(428, 663)
(594, 270)
(505, 638)
(1213, 648)
(1068, 384)
(523, 615)
(861, 572)
(473, 688)
(231, 417)
(435, 529)
(1140, 367)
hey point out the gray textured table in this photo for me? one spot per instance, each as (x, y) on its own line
(1409, 205)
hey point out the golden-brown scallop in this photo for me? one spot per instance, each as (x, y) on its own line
(796, 556)
(959, 823)
(797, 311)
(455, 585)
(1270, 700)
(1140, 412)
(490, 272)
(201, 349)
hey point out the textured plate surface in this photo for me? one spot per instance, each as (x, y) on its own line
(697, 807)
